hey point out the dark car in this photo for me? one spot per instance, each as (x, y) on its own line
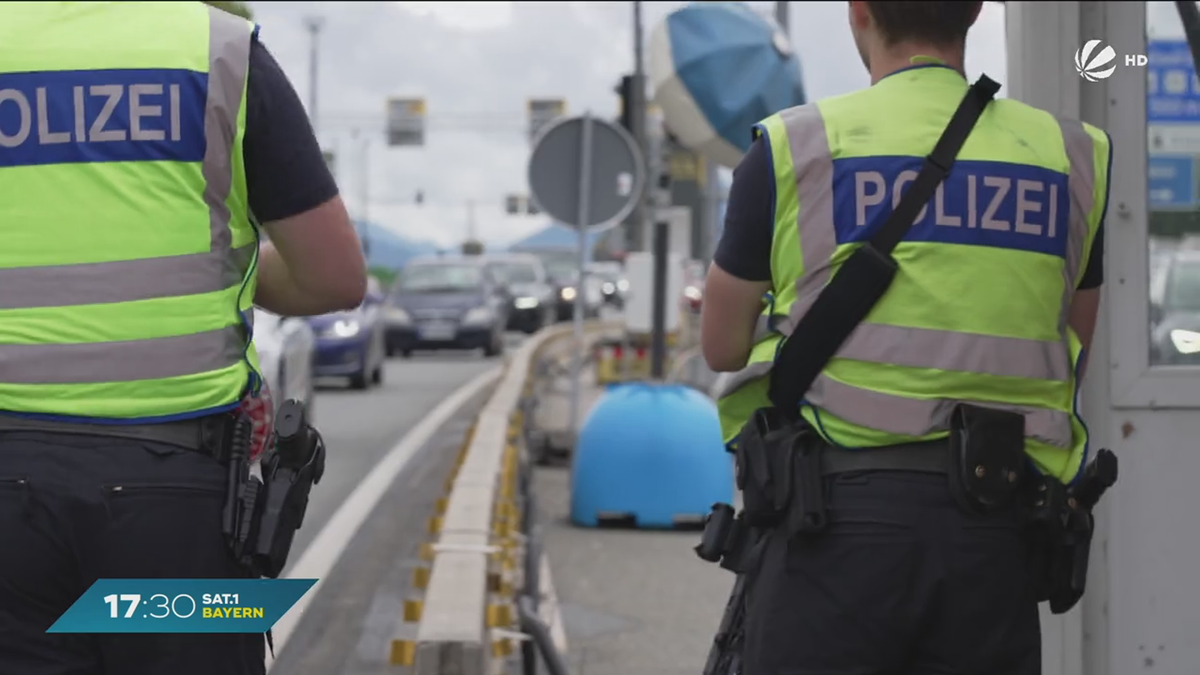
(533, 298)
(613, 284)
(351, 344)
(446, 303)
(1175, 310)
(562, 269)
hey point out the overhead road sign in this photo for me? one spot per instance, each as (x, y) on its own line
(406, 122)
(543, 111)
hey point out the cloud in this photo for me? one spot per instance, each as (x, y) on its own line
(476, 64)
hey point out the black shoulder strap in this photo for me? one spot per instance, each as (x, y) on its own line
(864, 278)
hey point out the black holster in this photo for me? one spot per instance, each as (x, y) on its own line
(730, 541)
(1059, 539)
(264, 514)
(1060, 525)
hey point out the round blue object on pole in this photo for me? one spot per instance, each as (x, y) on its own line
(651, 454)
(717, 69)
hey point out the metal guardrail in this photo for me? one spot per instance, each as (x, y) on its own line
(469, 614)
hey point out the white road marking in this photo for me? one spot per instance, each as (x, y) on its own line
(549, 608)
(326, 548)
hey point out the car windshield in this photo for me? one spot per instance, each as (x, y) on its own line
(516, 273)
(438, 278)
(607, 272)
(562, 269)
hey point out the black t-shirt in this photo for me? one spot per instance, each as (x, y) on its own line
(286, 174)
(745, 247)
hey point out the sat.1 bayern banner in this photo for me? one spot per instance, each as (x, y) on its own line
(182, 605)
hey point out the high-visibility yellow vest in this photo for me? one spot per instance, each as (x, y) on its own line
(127, 254)
(978, 310)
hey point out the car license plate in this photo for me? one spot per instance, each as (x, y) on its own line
(437, 331)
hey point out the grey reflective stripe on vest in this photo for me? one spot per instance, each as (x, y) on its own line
(129, 280)
(120, 361)
(921, 348)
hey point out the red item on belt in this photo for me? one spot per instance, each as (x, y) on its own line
(261, 411)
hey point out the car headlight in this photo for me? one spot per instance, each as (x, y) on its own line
(478, 315)
(525, 303)
(623, 285)
(344, 329)
(397, 315)
(1185, 341)
(568, 293)
(692, 293)
(608, 288)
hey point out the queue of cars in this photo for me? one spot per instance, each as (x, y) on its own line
(457, 303)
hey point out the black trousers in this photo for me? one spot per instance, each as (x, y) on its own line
(901, 583)
(74, 509)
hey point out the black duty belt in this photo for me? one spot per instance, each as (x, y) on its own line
(925, 457)
(201, 434)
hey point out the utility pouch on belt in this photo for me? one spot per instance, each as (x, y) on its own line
(987, 457)
(763, 469)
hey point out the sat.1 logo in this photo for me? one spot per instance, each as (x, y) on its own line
(1095, 63)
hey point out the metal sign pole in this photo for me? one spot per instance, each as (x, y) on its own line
(585, 189)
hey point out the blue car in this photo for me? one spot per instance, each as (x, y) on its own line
(351, 344)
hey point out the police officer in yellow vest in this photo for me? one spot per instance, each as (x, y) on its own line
(994, 304)
(136, 140)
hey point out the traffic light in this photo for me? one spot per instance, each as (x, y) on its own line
(625, 91)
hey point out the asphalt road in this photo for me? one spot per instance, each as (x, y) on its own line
(360, 427)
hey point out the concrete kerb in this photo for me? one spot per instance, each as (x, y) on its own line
(453, 634)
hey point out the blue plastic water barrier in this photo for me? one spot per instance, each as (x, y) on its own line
(650, 453)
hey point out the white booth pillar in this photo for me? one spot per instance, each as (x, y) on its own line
(1141, 613)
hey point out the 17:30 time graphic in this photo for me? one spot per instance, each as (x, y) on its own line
(181, 606)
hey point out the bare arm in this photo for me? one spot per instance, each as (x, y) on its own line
(727, 318)
(741, 269)
(313, 263)
(1085, 306)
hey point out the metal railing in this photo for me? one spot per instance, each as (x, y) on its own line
(481, 592)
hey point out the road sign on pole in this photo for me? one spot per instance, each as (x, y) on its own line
(586, 173)
(557, 164)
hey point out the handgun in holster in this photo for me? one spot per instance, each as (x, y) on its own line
(289, 470)
(730, 541)
(1061, 522)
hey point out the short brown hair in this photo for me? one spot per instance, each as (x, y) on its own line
(937, 23)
